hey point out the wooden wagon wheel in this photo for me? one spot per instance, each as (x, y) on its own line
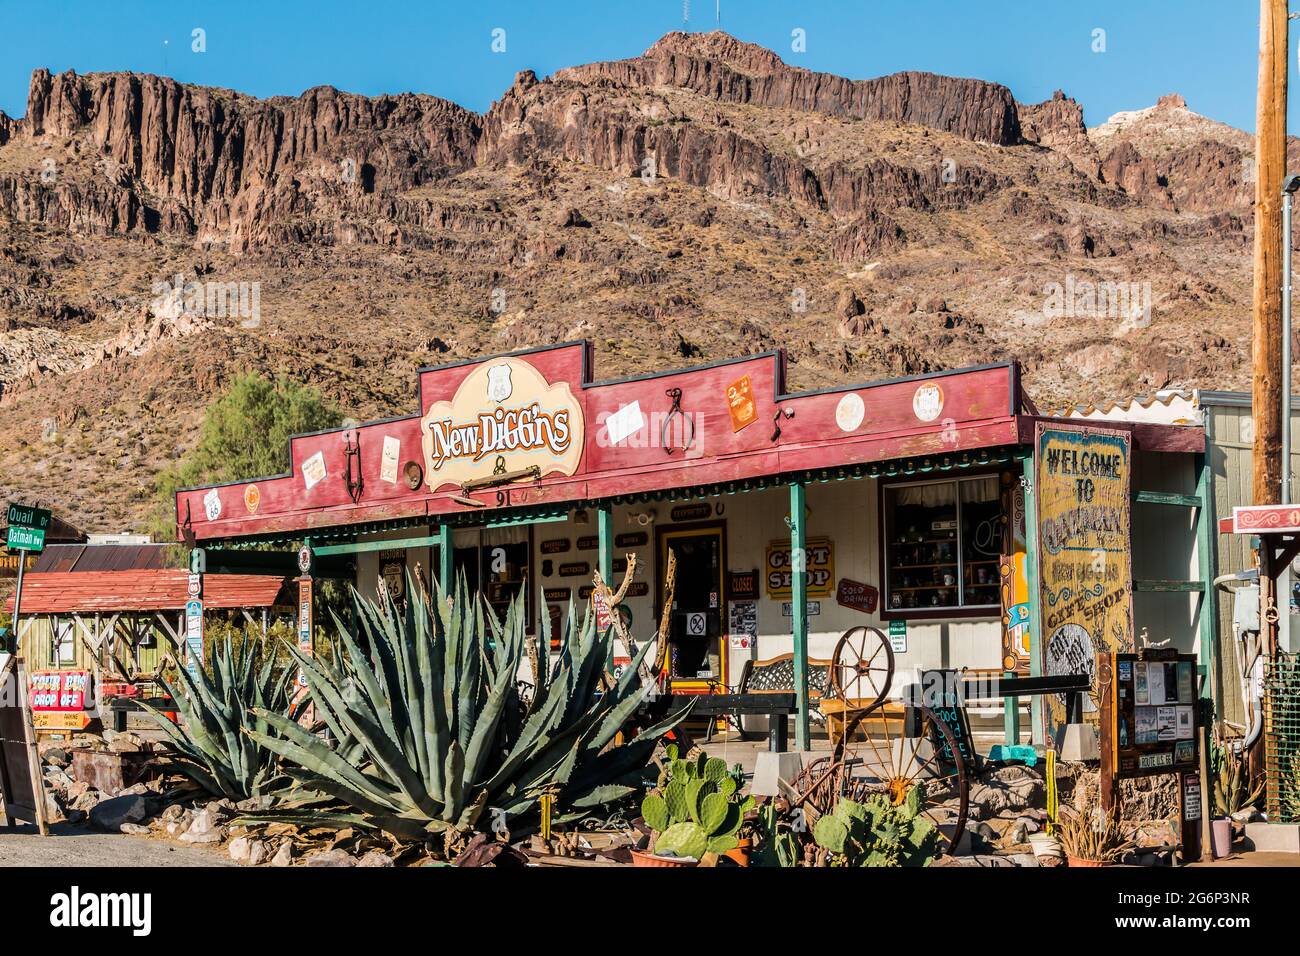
(888, 762)
(862, 667)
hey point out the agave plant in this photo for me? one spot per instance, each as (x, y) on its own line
(217, 739)
(430, 733)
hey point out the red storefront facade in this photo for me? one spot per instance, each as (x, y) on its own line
(522, 470)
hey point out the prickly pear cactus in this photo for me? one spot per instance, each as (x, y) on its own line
(683, 839)
(877, 833)
(654, 810)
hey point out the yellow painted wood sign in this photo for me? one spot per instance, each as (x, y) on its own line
(818, 561)
(1084, 553)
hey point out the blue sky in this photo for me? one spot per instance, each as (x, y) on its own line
(1204, 49)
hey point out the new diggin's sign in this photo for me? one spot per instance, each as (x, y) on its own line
(503, 409)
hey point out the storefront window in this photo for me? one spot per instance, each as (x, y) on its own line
(497, 567)
(62, 650)
(943, 542)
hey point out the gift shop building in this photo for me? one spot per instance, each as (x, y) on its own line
(940, 509)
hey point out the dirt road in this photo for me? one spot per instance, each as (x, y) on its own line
(74, 846)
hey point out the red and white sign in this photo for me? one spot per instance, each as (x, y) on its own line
(61, 690)
(1266, 519)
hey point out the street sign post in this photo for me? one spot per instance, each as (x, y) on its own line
(27, 527)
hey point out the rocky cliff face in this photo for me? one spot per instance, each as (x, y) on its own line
(697, 202)
(228, 165)
(722, 68)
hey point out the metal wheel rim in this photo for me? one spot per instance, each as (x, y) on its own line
(955, 780)
(850, 667)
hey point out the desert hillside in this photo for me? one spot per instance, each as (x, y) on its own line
(701, 201)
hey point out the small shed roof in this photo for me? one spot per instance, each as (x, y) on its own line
(101, 557)
(159, 589)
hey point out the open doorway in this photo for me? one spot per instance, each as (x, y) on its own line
(697, 659)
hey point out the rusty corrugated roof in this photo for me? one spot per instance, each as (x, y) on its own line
(159, 589)
(102, 557)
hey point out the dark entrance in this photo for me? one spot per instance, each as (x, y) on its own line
(697, 658)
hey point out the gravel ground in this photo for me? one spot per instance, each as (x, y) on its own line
(69, 845)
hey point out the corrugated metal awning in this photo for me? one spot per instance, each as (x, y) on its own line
(164, 589)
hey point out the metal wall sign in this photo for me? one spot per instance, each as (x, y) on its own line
(194, 635)
(1084, 553)
(304, 622)
(898, 636)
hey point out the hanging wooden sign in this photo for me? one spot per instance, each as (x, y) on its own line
(630, 539)
(555, 546)
(588, 542)
(556, 594)
(575, 569)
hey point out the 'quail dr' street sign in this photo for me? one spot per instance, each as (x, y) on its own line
(27, 527)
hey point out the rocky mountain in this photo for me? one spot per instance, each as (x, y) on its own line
(700, 201)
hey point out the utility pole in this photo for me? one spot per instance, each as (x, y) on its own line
(1270, 168)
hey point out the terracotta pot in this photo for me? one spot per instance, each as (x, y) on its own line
(740, 855)
(1075, 861)
(643, 858)
(1221, 837)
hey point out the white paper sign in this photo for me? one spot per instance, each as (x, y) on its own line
(625, 422)
(313, 470)
(388, 465)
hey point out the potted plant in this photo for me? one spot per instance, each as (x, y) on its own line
(877, 832)
(1231, 791)
(1092, 837)
(740, 854)
(695, 812)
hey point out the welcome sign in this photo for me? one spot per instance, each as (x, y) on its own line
(1084, 547)
(503, 409)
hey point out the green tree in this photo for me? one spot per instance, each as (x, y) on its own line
(245, 434)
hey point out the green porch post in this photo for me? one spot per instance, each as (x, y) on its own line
(605, 556)
(799, 611)
(446, 560)
(605, 535)
(1035, 599)
(1207, 553)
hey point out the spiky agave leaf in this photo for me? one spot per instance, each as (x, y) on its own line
(424, 703)
(215, 712)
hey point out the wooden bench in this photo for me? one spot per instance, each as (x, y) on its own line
(775, 675)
